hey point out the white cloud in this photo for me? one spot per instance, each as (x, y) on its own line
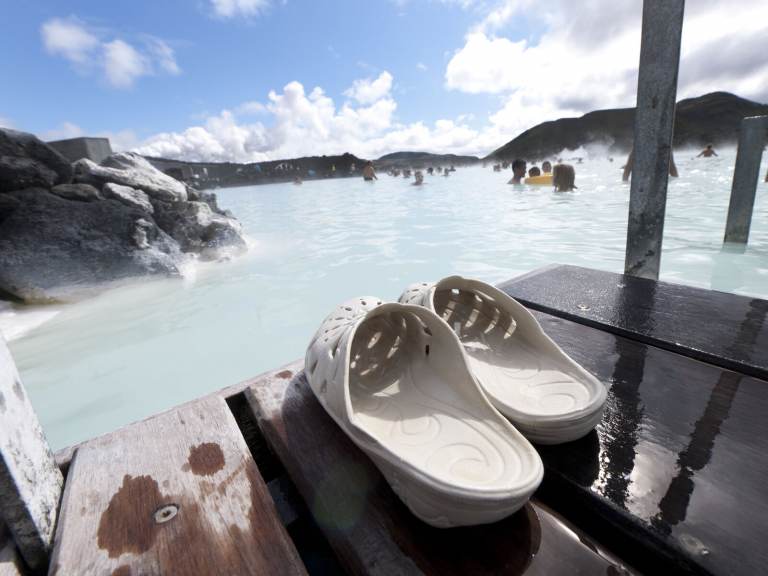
(368, 90)
(585, 57)
(5, 122)
(578, 57)
(301, 123)
(164, 55)
(121, 62)
(232, 8)
(69, 38)
(421, 66)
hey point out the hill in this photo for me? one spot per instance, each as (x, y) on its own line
(204, 175)
(711, 118)
(422, 160)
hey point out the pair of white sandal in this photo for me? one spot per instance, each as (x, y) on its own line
(418, 385)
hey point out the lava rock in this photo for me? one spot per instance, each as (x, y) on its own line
(128, 196)
(52, 249)
(81, 192)
(130, 169)
(198, 229)
(26, 161)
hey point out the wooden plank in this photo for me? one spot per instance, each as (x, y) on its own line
(723, 329)
(654, 126)
(30, 482)
(676, 470)
(373, 533)
(175, 494)
(10, 562)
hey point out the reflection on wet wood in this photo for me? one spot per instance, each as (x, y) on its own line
(675, 474)
(723, 329)
(373, 533)
(175, 494)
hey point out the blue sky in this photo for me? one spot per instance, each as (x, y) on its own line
(234, 79)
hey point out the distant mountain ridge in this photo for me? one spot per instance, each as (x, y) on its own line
(423, 160)
(712, 118)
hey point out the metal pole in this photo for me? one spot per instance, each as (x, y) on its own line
(654, 127)
(745, 177)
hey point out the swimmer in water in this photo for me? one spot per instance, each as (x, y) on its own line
(419, 179)
(369, 174)
(546, 167)
(707, 152)
(631, 161)
(564, 178)
(518, 171)
(534, 171)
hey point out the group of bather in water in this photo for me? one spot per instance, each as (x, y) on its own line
(560, 176)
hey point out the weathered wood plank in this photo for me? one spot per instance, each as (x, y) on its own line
(723, 329)
(10, 563)
(676, 471)
(175, 494)
(373, 533)
(30, 482)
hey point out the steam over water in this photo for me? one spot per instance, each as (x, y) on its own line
(133, 351)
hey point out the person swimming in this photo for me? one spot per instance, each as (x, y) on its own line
(631, 162)
(546, 166)
(419, 178)
(369, 174)
(518, 171)
(534, 171)
(564, 178)
(707, 152)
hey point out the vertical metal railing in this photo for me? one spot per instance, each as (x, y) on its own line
(654, 128)
(745, 178)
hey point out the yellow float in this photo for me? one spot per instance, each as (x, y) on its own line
(543, 180)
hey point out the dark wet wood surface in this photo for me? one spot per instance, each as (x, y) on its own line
(175, 494)
(676, 475)
(716, 327)
(373, 533)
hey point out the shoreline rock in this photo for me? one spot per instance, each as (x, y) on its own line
(118, 220)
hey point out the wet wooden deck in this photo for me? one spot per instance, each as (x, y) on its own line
(257, 479)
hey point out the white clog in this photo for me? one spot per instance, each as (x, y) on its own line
(395, 379)
(546, 395)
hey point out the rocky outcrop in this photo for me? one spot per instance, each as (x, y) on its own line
(81, 192)
(51, 247)
(128, 196)
(118, 220)
(199, 229)
(27, 161)
(132, 170)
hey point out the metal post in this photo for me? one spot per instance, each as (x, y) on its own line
(30, 482)
(745, 177)
(654, 127)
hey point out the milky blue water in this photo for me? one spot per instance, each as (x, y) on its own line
(142, 348)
